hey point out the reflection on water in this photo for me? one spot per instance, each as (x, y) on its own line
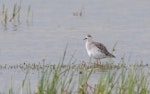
(54, 25)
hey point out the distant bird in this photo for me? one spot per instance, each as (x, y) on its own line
(96, 50)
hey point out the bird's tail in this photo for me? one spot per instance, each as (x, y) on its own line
(111, 55)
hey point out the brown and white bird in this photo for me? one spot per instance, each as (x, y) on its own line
(96, 50)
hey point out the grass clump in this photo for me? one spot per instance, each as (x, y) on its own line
(54, 81)
(124, 81)
(77, 80)
(134, 81)
(14, 15)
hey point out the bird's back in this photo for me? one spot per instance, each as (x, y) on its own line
(93, 45)
(103, 49)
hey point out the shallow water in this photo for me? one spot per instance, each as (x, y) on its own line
(53, 25)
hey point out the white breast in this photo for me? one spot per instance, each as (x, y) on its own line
(94, 52)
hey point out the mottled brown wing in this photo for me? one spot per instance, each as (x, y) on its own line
(103, 49)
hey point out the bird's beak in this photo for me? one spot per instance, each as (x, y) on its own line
(84, 38)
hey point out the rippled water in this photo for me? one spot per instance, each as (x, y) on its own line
(53, 24)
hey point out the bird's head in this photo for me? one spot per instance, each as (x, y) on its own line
(88, 37)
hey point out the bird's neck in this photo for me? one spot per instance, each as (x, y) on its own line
(89, 40)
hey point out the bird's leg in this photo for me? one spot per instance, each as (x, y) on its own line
(98, 62)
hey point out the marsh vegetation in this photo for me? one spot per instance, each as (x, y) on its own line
(13, 14)
(74, 78)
